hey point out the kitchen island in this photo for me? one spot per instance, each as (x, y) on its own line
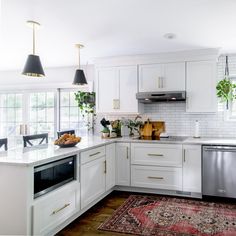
(102, 165)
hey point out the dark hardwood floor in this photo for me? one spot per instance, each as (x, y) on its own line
(87, 224)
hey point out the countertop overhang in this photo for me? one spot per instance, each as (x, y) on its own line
(34, 156)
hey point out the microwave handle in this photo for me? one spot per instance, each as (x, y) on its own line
(52, 164)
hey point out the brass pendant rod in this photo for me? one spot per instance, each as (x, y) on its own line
(33, 39)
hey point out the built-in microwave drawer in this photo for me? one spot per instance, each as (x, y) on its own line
(169, 178)
(92, 154)
(157, 154)
(50, 176)
(53, 210)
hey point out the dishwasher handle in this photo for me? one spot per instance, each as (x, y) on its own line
(220, 149)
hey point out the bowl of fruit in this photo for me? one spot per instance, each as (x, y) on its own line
(67, 140)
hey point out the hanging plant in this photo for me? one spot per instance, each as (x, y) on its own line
(226, 88)
(86, 104)
(226, 91)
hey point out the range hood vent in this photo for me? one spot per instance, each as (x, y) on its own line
(170, 96)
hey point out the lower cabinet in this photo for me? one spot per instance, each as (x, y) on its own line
(123, 164)
(192, 165)
(53, 209)
(110, 166)
(92, 180)
(167, 178)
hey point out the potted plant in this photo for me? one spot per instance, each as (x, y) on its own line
(226, 91)
(225, 87)
(133, 125)
(105, 131)
(86, 104)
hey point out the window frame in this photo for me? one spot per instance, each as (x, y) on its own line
(26, 103)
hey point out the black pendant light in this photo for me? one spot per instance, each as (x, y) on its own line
(79, 78)
(33, 66)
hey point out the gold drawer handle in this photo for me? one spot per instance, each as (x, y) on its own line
(155, 155)
(94, 154)
(60, 209)
(153, 177)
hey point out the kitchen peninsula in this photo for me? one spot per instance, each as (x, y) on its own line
(102, 165)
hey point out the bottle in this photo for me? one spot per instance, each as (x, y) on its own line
(196, 131)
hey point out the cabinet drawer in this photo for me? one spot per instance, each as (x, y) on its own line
(157, 154)
(52, 211)
(168, 178)
(92, 154)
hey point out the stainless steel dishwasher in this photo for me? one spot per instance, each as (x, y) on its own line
(219, 171)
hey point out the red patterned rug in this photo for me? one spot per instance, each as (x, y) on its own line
(159, 216)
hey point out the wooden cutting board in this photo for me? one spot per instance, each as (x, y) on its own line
(153, 128)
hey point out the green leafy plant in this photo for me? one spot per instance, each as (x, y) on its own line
(86, 104)
(226, 91)
(133, 125)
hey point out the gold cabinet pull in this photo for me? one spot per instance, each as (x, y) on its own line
(154, 177)
(155, 155)
(60, 209)
(105, 165)
(184, 156)
(94, 154)
(127, 152)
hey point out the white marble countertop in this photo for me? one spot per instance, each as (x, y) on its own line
(45, 153)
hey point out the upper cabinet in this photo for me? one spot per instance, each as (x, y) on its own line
(116, 89)
(200, 86)
(162, 77)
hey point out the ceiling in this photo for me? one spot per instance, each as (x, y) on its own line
(112, 27)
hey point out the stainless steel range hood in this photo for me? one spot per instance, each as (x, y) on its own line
(167, 96)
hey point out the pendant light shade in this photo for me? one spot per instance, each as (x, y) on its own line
(79, 78)
(33, 66)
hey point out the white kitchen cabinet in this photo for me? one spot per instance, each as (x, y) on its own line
(156, 154)
(116, 89)
(201, 86)
(92, 180)
(162, 77)
(110, 166)
(192, 173)
(53, 209)
(123, 164)
(168, 178)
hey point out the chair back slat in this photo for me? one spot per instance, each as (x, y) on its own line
(60, 133)
(3, 142)
(27, 139)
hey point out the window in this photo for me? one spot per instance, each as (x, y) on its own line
(70, 117)
(231, 114)
(42, 113)
(11, 113)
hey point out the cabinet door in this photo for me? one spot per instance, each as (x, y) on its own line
(128, 89)
(169, 178)
(174, 76)
(201, 86)
(150, 77)
(123, 164)
(107, 87)
(92, 181)
(110, 166)
(192, 172)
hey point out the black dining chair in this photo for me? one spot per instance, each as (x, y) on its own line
(60, 133)
(28, 138)
(3, 142)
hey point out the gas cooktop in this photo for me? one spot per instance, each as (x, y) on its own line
(169, 138)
